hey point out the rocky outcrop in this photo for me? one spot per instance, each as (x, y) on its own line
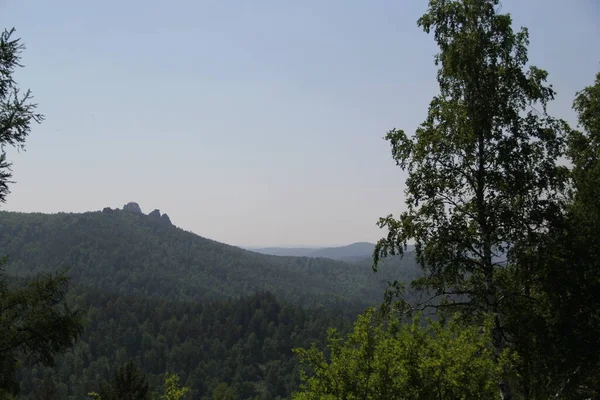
(132, 207)
(166, 220)
(155, 214)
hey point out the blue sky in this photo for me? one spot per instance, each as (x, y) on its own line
(253, 123)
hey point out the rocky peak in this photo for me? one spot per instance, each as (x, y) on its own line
(132, 207)
(166, 220)
(155, 214)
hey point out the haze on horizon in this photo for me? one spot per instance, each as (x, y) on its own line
(255, 124)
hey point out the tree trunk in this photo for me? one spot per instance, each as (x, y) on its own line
(491, 293)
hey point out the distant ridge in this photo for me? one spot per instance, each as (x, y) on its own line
(132, 253)
(354, 252)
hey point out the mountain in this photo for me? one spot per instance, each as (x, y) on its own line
(354, 252)
(359, 251)
(136, 254)
(174, 301)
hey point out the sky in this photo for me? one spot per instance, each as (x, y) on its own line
(254, 123)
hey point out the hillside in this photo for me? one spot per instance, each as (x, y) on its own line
(245, 343)
(136, 254)
(354, 252)
(172, 300)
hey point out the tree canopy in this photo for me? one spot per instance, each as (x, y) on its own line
(386, 359)
(487, 198)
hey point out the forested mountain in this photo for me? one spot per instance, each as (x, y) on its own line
(359, 251)
(136, 254)
(170, 300)
(245, 345)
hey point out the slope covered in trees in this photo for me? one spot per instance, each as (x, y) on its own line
(243, 347)
(136, 254)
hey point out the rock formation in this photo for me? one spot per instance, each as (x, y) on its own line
(132, 207)
(155, 214)
(166, 220)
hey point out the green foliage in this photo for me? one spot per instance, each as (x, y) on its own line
(172, 389)
(587, 105)
(128, 383)
(224, 392)
(35, 323)
(563, 324)
(16, 111)
(245, 343)
(483, 183)
(389, 360)
(482, 166)
(584, 152)
(47, 390)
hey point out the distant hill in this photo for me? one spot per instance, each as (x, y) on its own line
(136, 254)
(286, 251)
(354, 252)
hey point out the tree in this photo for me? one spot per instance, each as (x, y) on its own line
(16, 111)
(47, 389)
(388, 360)
(568, 306)
(224, 392)
(172, 389)
(34, 319)
(128, 383)
(584, 152)
(35, 322)
(483, 183)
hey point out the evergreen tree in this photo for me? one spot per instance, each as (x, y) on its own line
(17, 111)
(34, 319)
(47, 389)
(224, 392)
(128, 383)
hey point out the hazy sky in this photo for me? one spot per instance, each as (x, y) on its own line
(249, 122)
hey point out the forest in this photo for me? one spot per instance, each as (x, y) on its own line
(486, 286)
(245, 344)
(131, 253)
(169, 301)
